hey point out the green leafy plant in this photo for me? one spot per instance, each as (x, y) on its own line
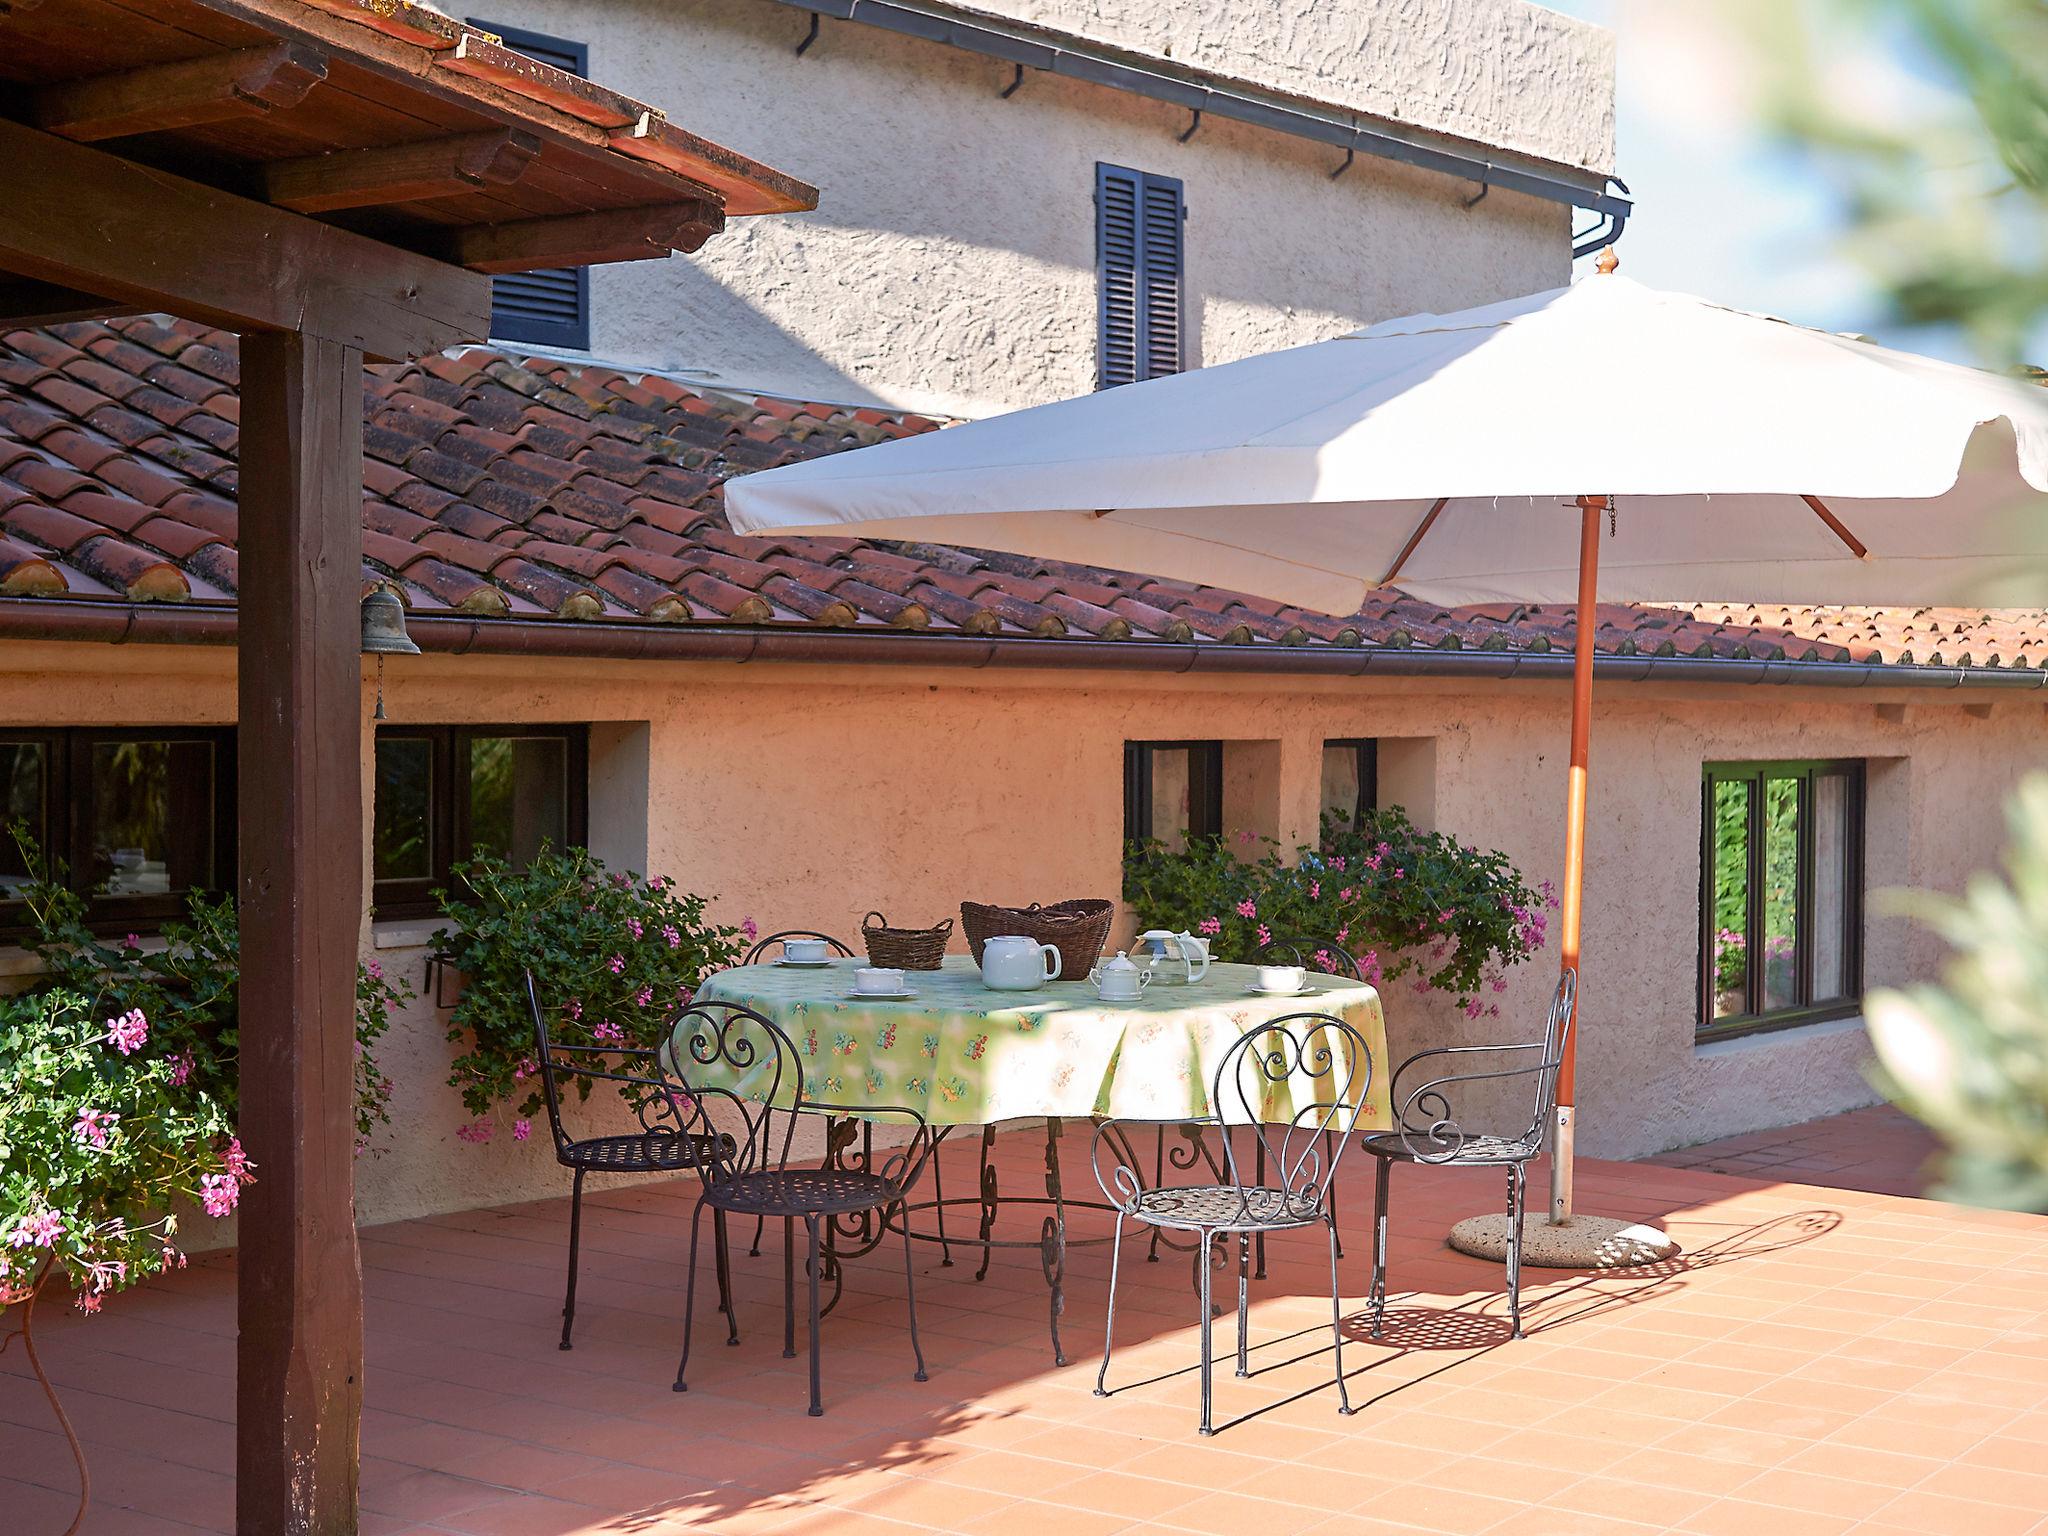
(102, 1137)
(613, 956)
(188, 986)
(1400, 900)
(1970, 1056)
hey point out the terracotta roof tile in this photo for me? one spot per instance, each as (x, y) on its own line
(497, 485)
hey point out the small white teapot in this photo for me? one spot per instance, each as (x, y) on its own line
(1012, 963)
(1119, 980)
(1163, 947)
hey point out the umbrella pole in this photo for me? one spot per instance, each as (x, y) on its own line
(1590, 508)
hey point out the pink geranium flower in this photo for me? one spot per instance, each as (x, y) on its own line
(1247, 908)
(1210, 925)
(219, 1193)
(128, 1033)
(236, 1161)
(617, 965)
(521, 1129)
(182, 1066)
(39, 1231)
(95, 1125)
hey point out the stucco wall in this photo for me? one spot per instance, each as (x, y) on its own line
(1502, 72)
(804, 797)
(950, 265)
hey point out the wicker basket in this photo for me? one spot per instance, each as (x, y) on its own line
(1077, 929)
(904, 949)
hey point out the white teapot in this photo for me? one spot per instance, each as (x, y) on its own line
(1119, 980)
(1161, 947)
(1012, 963)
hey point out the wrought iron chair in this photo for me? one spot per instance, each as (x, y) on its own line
(754, 956)
(740, 1063)
(1428, 1130)
(1314, 1053)
(660, 1147)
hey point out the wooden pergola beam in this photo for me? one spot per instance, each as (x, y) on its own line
(617, 234)
(244, 83)
(82, 218)
(299, 755)
(403, 173)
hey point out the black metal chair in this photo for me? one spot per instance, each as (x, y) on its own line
(1316, 1052)
(660, 1147)
(755, 956)
(1428, 1130)
(740, 1063)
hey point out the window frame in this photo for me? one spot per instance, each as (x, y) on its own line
(67, 794)
(1368, 750)
(569, 335)
(448, 811)
(1205, 787)
(1756, 1019)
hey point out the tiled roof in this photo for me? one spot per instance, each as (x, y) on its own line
(500, 486)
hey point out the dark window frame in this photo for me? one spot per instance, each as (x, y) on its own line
(67, 795)
(1755, 1018)
(1152, 198)
(571, 335)
(1205, 787)
(448, 811)
(1368, 750)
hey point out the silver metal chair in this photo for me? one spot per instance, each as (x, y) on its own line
(1428, 1129)
(1316, 1055)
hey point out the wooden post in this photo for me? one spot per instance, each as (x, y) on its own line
(1590, 508)
(300, 1354)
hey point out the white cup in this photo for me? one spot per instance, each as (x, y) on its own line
(806, 951)
(1282, 978)
(877, 978)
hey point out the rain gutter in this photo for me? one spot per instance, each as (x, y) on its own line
(1204, 92)
(44, 618)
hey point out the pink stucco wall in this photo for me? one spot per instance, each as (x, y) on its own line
(805, 796)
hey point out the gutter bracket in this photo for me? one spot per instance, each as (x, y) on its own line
(1016, 82)
(1485, 186)
(1350, 154)
(810, 37)
(1194, 122)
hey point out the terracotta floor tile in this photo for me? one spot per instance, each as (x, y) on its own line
(1930, 1512)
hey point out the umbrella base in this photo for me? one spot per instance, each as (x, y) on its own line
(1581, 1242)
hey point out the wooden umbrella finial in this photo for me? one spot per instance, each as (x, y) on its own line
(1606, 261)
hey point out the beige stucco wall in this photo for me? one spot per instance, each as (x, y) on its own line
(950, 265)
(803, 796)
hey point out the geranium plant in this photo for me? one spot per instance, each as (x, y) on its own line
(1399, 900)
(613, 956)
(102, 1136)
(187, 985)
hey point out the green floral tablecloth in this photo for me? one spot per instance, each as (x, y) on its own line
(961, 1054)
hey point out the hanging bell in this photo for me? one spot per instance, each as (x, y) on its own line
(384, 626)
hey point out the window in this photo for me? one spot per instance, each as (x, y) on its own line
(140, 817)
(1351, 779)
(550, 306)
(446, 793)
(1140, 274)
(1173, 790)
(1781, 905)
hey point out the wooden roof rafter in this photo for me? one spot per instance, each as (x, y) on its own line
(375, 117)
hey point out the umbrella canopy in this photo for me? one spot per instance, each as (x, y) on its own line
(1748, 459)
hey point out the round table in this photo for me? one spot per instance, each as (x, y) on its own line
(961, 1054)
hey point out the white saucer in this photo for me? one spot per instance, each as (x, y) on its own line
(857, 996)
(804, 965)
(1301, 991)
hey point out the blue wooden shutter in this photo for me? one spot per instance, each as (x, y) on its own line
(550, 306)
(1140, 271)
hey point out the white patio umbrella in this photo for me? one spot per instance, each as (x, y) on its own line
(1474, 457)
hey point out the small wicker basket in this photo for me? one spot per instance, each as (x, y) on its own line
(905, 949)
(1077, 929)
